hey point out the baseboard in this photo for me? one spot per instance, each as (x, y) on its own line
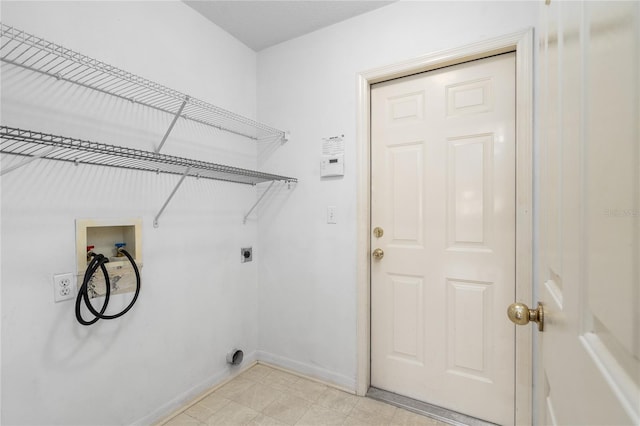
(311, 371)
(193, 395)
(211, 383)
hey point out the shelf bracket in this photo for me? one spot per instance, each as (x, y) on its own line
(285, 138)
(244, 221)
(173, 123)
(164, 206)
(26, 161)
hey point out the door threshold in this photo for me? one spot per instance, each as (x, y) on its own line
(425, 409)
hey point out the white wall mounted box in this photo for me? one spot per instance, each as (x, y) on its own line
(103, 235)
(332, 165)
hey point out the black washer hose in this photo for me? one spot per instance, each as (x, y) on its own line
(98, 261)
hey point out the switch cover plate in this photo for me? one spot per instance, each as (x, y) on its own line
(331, 214)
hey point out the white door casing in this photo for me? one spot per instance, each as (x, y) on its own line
(443, 190)
(589, 279)
(521, 43)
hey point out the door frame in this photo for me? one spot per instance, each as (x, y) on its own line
(522, 43)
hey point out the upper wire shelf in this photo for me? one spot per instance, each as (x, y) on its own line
(34, 144)
(39, 55)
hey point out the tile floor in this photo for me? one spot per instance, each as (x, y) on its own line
(266, 396)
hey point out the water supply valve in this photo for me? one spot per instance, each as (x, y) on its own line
(120, 246)
(89, 252)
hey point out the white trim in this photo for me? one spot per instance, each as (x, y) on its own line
(304, 376)
(193, 395)
(522, 43)
(184, 401)
(311, 371)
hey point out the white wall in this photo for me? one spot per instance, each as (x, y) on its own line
(308, 86)
(197, 300)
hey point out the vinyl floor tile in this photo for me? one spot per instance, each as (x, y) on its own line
(265, 396)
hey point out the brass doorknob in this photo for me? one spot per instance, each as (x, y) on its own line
(520, 314)
(378, 232)
(377, 254)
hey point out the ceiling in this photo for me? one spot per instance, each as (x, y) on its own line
(263, 23)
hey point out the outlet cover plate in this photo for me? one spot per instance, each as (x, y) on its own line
(246, 254)
(64, 287)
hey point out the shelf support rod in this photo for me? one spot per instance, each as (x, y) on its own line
(173, 123)
(26, 161)
(244, 221)
(164, 206)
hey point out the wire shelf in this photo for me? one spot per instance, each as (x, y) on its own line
(39, 55)
(34, 144)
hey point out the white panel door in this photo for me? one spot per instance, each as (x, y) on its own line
(589, 276)
(443, 192)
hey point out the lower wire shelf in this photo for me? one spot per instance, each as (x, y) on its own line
(33, 145)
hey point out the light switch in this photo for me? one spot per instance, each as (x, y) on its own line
(331, 214)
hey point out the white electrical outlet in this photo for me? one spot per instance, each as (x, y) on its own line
(63, 287)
